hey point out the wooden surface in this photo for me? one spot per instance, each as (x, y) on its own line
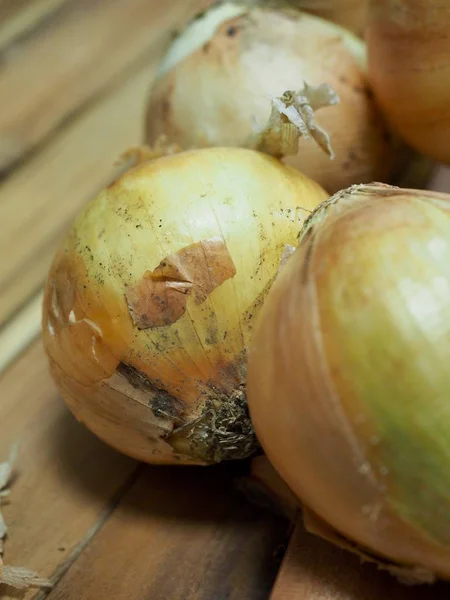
(74, 76)
(181, 535)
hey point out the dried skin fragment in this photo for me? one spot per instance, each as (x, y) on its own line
(206, 265)
(160, 297)
(292, 118)
(17, 577)
(156, 303)
(21, 578)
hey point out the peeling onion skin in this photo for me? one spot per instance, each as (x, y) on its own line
(348, 378)
(216, 83)
(409, 69)
(171, 392)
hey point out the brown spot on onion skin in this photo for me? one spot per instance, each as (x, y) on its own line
(163, 404)
(159, 298)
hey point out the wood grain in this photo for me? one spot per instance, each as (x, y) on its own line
(180, 534)
(19, 17)
(67, 482)
(38, 202)
(72, 58)
(315, 570)
(19, 333)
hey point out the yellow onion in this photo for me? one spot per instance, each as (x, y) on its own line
(150, 301)
(409, 69)
(218, 81)
(349, 379)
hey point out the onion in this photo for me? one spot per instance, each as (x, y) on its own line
(349, 376)
(217, 83)
(409, 68)
(150, 301)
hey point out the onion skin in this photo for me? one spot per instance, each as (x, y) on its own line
(127, 374)
(348, 379)
(409, 69)
(215, 88)
(351, 14)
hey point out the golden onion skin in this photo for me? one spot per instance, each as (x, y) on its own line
(349, 379)
(215, 86)
(150, 300)
(409, 70)
(351, 14)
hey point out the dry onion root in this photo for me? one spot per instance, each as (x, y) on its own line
(348, 376)
(151, 299)
(409, 68)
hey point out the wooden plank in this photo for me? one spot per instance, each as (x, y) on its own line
(19, 17)
(67, 482)
(180, 534)
(23, 329)
(314, 569)
(40, 199)
(68, 61)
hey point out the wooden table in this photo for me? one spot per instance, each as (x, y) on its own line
(74, 75)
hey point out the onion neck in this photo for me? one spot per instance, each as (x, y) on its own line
(292, 118)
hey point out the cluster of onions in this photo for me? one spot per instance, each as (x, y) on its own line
(151, 299)
(409, 68)
(226, 73)
(348, 378)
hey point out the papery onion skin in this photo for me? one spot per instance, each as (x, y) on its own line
(215, 86)
(349, 380)
(150, 301)
(409, 69)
